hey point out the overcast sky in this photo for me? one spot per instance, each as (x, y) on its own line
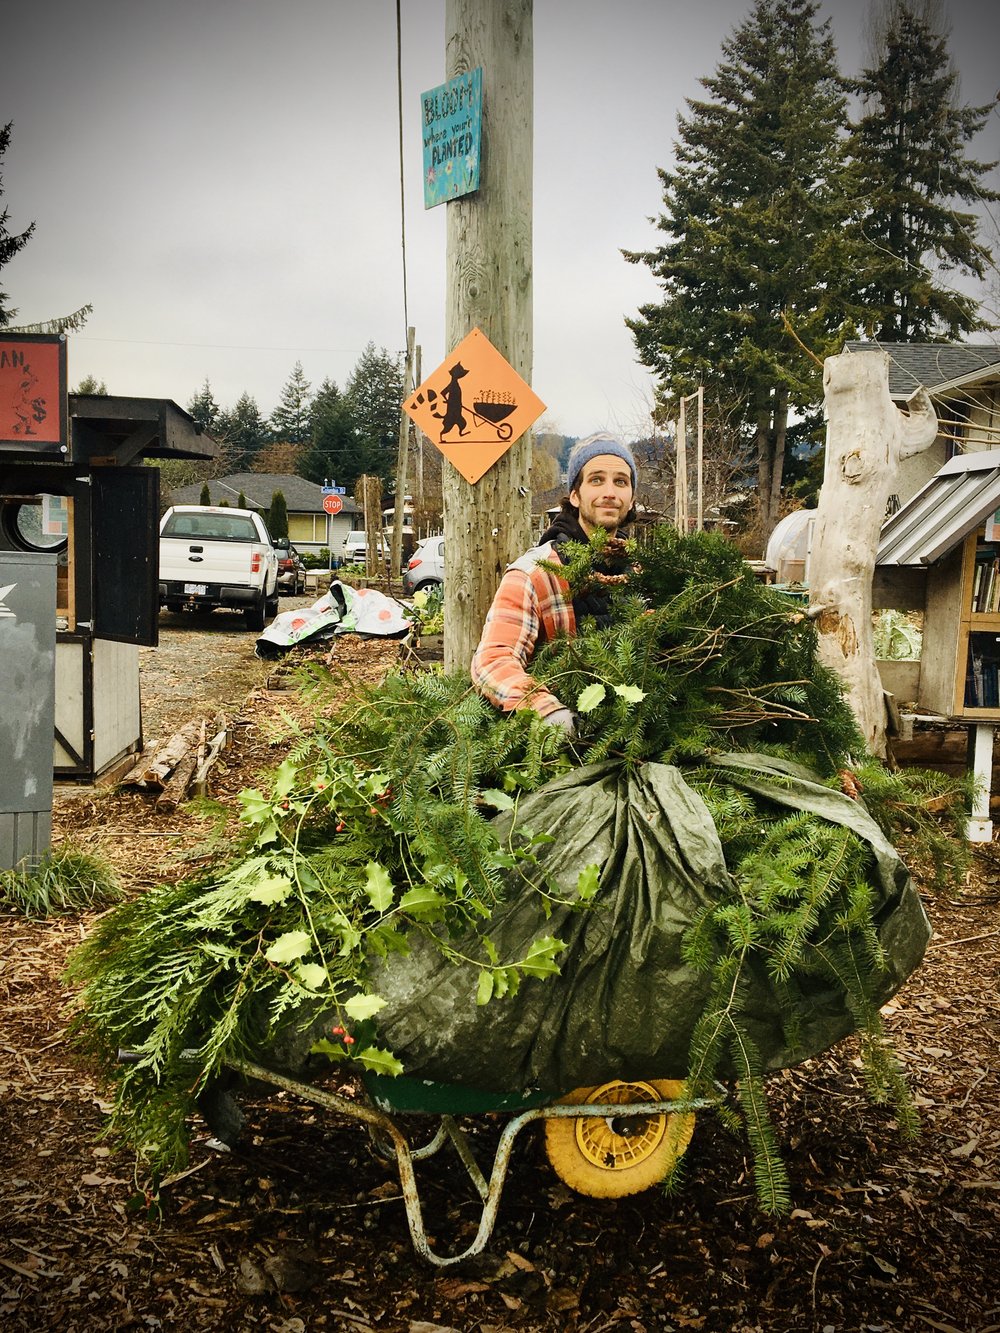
(220, 179)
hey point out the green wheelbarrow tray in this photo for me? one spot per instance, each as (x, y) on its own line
(412, 1096)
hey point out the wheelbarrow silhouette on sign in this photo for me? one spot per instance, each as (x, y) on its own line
(493, 414)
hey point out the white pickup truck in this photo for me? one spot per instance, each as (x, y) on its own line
(215, 556)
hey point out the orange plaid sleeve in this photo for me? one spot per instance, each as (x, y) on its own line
(531, 606)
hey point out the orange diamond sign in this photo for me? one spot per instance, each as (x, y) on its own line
(474, 406)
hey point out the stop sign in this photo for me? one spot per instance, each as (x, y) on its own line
(333, 504)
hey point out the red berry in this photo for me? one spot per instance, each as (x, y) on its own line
(348, 1041)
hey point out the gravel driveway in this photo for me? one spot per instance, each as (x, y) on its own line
(205, 661)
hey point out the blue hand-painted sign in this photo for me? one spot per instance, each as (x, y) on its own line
(451, 120)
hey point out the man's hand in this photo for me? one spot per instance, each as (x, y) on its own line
(563, 718)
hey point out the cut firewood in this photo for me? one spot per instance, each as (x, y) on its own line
(170, 755)
(175, 789)
(199, 782)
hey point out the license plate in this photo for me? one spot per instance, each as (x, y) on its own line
(195, 589)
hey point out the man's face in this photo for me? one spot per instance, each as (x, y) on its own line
(603, 493)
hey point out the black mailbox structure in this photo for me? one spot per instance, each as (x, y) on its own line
(88, 496)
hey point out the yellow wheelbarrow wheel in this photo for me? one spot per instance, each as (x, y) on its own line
(609, 1157)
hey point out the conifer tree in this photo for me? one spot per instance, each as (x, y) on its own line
(374, 397)
(335, 452)
(755, 261)
(244, 430)
(205, 498)
(10, 242)
(277, 515)
(205, 410)
(290, 419)
(909, 145)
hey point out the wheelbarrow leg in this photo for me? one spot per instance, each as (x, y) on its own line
(377, 1120)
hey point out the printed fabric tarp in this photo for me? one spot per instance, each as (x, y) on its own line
(341, 610)
(625, 1002)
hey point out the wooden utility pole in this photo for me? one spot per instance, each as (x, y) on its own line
(490, 287)
(418, 436)
(398, 513)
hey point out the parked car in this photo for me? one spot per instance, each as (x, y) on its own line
(213, 556)
(291, 570)
(355, 549)
(425, 567)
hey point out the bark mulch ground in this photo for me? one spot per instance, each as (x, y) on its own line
(301, 1227)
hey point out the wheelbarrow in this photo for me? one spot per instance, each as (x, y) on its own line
(609, 1141)
(493, 414)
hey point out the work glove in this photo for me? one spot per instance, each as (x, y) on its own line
(563, 718)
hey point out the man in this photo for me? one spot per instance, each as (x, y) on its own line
(533, 605)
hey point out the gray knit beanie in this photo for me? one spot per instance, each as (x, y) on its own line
(584, 450)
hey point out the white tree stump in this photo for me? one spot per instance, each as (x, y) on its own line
(866, 437)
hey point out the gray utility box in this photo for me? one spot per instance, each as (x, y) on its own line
(27, 705)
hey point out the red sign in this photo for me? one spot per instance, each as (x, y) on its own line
(474, 406)
(33, 392)
(333, 504)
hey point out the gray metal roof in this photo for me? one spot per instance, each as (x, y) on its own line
(959, 497)
(938, 367)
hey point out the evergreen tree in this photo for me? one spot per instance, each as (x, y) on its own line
(335, 452)
(277, 515)
(290, 419)
(89, 384)
(244, 430)
(241, 501)
(10, 242)
(909, 147)
(374, 395)
(205, 498)
(756, 265)
(205, 410)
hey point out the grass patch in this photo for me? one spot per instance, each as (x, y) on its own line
(64, 881)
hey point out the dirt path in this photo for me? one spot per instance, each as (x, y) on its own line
(301, 1228)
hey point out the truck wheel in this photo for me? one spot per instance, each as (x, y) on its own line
(271, 607)
(609, 1158)
(256, 615)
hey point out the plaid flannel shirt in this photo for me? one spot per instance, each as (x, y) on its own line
(531, 606)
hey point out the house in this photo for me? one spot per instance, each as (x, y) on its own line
(310, 528)
(963, 381)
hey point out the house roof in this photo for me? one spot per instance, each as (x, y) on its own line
(959, 497)
(938, 367)
(301, 496)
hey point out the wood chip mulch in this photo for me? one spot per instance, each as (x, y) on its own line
(302, 1228)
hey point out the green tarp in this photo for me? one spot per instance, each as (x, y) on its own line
(625, 1003)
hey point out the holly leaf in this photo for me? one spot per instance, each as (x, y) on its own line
(484, 990)
(587, 881)
(284, 779)
(324, 1046)
(588, 698)
(380, 1061)
(539, 961)
(360, 1007)
(378, 886)
(312, 975)
(286, 948)
(499, 800)
(630, 693)
(422, 900)
(256, 808)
